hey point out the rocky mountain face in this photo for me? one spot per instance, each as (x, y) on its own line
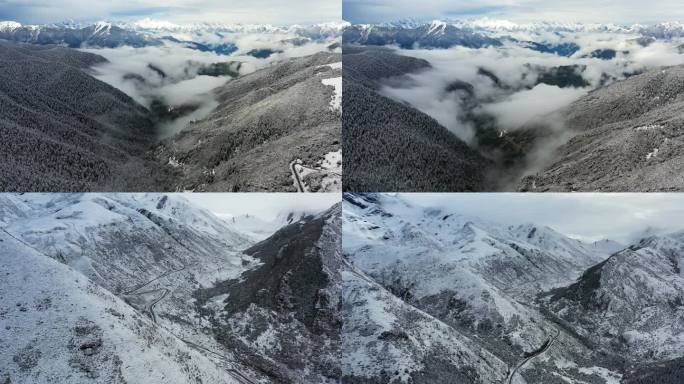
(627, 138)
(64, 130)
(277, 129)
(393, 146)
(125, 283)
(535, 305)
(284, 316)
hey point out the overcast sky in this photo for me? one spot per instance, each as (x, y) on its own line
(587, 216)
(264, 205)
(601, 11)
(276, 12)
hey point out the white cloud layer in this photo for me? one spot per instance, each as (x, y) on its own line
(505, 84)
(531, 105)
(264, 205)
(587, 216)
(180, 84)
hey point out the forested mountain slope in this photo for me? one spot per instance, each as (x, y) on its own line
(628, 138)
(276, 129)
(265, 122)
(63, 130)
(390, 146)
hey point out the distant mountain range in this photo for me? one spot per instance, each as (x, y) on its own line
(672, 29)
(204, 37)
(480, 33)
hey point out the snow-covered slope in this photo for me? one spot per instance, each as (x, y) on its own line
(476, 280)
(386, 340)
(632, 303)
(130, 272)
(59, 326)
(151, 288)
(122, 240)
(384, 234)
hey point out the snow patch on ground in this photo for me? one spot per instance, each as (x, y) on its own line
(336, 101)
(337, 65)
(174, 162)
(327, 172)
(649, 127)
(299, 171)
(332, 164)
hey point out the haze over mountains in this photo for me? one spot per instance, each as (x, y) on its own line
(173, 77)
(529, 98)
(484, 302)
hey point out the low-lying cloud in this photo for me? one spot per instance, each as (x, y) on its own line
(520, 88)
(623, 217)
(175, 76)
(531, 106)
(168, 72)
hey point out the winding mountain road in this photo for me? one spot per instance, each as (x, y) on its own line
(547, 344)
(299, 184)
(143, 285)
(301, 187)
(149, 308)
(239, 376)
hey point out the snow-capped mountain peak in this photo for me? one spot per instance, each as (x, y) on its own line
(7, 26)
(437, 27)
